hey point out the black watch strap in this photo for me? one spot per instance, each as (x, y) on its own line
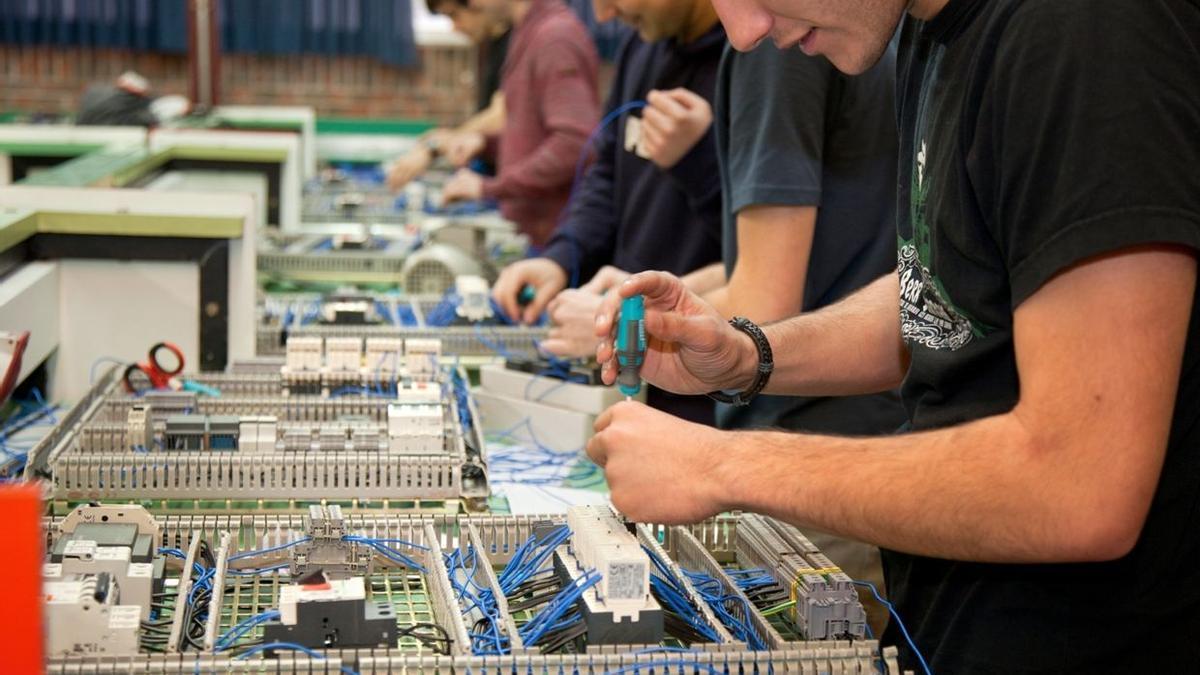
(766, 364)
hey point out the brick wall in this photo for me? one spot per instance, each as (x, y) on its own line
(442, 88)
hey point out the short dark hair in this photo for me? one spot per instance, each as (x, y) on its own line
(433, 5)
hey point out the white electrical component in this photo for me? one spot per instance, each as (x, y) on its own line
(473, 293)
(83, 617)
(343, 355)
(139, 427)
(81, 556)
(600, 541)
(303, 354)
(384, 355)
(419, 392)
(257, 433)
(416, 429)
(421, 357)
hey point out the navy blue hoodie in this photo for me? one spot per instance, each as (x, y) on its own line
(629, 213)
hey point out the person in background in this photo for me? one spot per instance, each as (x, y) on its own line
(652, 198)
(491, 39)
(551, 105)
(126, 102)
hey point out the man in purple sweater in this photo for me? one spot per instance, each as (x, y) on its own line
(551, 105)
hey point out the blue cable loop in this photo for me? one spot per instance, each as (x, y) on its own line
(899, 624)
(584, 153)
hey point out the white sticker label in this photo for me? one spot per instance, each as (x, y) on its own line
(633, 137)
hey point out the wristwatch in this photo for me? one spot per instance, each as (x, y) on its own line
(766, 364)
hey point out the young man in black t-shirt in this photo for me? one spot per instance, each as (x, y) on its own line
(1041, 515)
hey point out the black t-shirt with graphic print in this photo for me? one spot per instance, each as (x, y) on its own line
(1036, 134)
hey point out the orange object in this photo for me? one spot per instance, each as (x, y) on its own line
(21, 558)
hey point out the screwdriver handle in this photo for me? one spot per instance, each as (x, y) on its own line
(631, 345)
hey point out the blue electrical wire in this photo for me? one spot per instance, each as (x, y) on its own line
(254, 554)
(293, 647)
(713, 593)
(672, 592)
(521, 462)
(550, 619)
(899, 623)
(386, 551)
(492, 642)
(245, 626)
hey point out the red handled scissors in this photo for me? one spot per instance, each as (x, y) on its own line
(153, 373)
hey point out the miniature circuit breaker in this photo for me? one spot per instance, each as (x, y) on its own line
(304, 354)
(383, 361)
(139, 428)
(620, 608)
(330, 614)
(85, 617)
(474, 298)
(257, 433)
(428, 393)
(416, 429)
(343, 355)
(86, 556)
(421, 358)
(327, 549)
(303, 365)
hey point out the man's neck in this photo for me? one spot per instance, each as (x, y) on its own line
(519, 9)
(703, 18)
(926, 9)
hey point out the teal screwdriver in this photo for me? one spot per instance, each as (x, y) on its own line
(631, 345)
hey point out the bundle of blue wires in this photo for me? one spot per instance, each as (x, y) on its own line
(671, 592)
(713, 592)
(492, 641)
(382, 547)
(560, 612)
(540, 464)
(13, 455)
(443, 313)
(750, 579)
(461, 397)
(530, 557)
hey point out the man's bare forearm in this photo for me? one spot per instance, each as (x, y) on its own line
(963, 493)
(849, 348)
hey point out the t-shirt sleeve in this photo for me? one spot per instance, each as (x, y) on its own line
(1086, 140)
(777, 104)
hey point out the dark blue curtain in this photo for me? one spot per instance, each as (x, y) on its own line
(158, 25)
(378, 28)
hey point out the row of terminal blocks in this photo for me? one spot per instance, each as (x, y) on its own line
(411, 429)
(827, 604)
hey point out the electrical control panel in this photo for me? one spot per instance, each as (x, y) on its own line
(85, 617)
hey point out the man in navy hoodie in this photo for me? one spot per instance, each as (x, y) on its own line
(652, 197)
